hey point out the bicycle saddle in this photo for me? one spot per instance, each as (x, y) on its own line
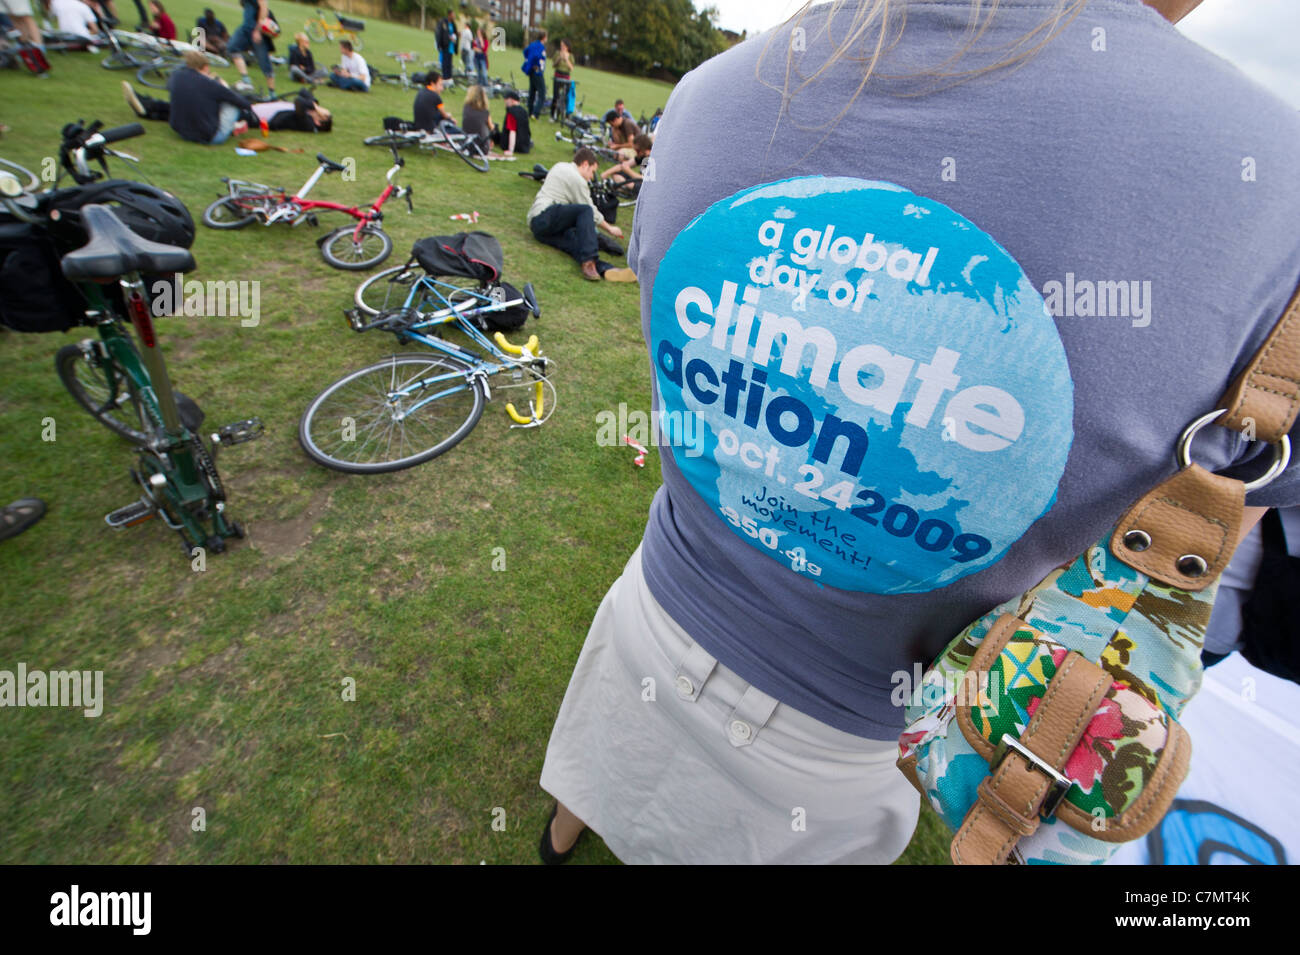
(329, 164)
(113, 250)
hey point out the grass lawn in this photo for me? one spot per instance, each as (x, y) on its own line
(224, 688)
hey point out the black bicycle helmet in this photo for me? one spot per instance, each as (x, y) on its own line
(146, 210)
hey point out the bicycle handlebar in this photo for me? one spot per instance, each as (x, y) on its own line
(114, 135)
(528, 350)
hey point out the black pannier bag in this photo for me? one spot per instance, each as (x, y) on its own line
(474, 255)
(34, 295)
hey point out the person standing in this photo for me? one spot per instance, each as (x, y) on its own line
(249, 37)
(445, 36)
(465, 45)
(535, 70)
(774, 662)
(560, 86)
(481, 56)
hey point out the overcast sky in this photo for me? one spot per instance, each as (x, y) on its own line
(1259, 36)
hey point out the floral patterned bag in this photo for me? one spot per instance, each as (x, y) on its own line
(1047, 731)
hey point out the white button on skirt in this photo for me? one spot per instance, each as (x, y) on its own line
(671, 757)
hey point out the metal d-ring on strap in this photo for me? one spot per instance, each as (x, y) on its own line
(1281, 450)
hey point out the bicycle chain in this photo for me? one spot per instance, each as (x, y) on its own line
(209, 469)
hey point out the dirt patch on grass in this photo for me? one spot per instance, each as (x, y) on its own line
(283, 538)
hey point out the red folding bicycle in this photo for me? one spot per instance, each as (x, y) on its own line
(355, 247)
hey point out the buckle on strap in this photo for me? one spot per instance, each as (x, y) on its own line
(1060, 784)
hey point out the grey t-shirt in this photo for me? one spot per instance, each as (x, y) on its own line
(952, 337)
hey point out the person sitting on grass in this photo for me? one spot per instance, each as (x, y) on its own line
(352, 73)
(202, 108)
(76, 18)
(629, 170)
(475, 118)
(515, 134)
(564, 216)
(162, 26)
(622, 133)
(429, 112)
(215, 35)
(302, 65)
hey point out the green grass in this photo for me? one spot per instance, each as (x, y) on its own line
(224, 688)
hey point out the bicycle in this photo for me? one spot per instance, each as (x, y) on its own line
(410, 408)
(401, 79)
(125, 388)
(400, 133)
(320, 29)
(353, 247)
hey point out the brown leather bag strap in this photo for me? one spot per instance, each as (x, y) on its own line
(1265, 397)
(1018, 788)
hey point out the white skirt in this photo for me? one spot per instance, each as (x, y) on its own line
(671, 757)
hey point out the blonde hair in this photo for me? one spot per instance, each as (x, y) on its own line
(476, 97)
(877, 26)
(195, 60)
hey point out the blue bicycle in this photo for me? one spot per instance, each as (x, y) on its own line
(412, 407)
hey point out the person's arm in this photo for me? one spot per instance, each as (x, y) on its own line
(225, 94)
(262, 10)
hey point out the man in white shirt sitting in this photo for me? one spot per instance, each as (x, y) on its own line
(74, 17)
(352, 73)
(564, 216)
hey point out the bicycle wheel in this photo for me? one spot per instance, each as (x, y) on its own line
(126, 60)
(315, 30)
(26, 178)
(388, 289)
(363, 424)
(157, 74)
(468, 149)
(115, 405)
(229, 212)
(343, 252)
(389, 139)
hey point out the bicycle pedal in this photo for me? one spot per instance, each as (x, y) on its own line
(355, 319)
(137, 512)
(241, 431)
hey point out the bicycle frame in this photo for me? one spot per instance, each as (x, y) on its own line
(292, 208)
(178, 476)
(505, 356)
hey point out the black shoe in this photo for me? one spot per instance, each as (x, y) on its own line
(547, 851)
(607, 244)
(20, 515)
